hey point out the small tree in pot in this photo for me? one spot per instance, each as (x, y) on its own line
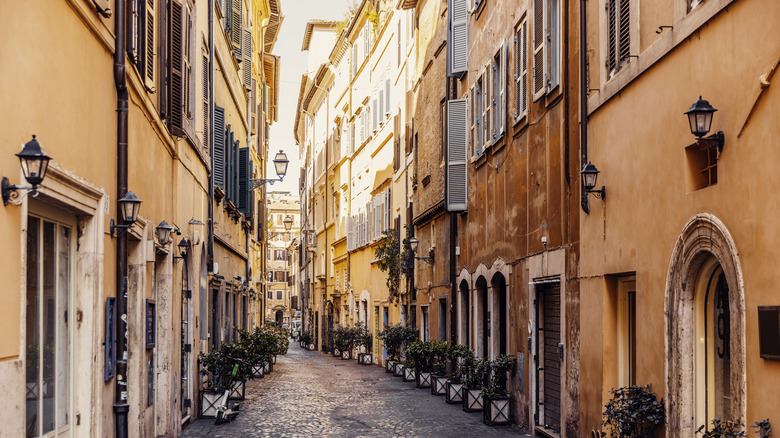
(633, 411)
(439, 354)
(475, 373)
(496, 401)
(364, 341)
(457, 354)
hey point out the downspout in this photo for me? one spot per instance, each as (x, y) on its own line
(211, 139)
(452, 93)
(121, 407)
(583, 104)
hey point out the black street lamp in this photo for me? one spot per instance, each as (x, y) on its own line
(288, 222)
(184, 246)
(414, 243)
(280, 164)
(35, 163)
(700, 120)
(164, 233)
(589, 175)
(129, 206)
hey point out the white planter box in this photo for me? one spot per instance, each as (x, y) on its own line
(210, 401)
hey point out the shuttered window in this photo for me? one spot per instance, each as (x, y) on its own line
(457, 132)
(618, 35)
(554, 42)
(253, 105)
(246, 65)
(375, 111)
(205, 100)
(458, 49)
(236, 25)
(521, 70)
(540, 45)
(148, 46)
(472, 121)
(246, 169)
(134, 41)
(175, 73)
(487, 98)
(498, 93)
(479, 115)
(187, 79)
(218, 166)
(387, 98)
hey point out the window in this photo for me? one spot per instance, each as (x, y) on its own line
(521, 70)
(702, 167)
(333, 195)
(270, 295)
(279, 295)
(487, 103)
(626, 336)
(618, 35)
(48, 331)
(498, 93)
(442, 127)
(478, 115)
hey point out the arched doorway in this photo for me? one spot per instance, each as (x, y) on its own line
(330, 316)
(464, 328)
(279, 317)
(481, 318)
(704, 311)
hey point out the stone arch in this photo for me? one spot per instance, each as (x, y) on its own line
(703, 238)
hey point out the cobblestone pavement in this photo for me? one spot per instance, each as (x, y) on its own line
(310, 394)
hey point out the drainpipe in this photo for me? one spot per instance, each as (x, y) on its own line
(452, 93)
(211, 139)
(583, 104)
(121, 407)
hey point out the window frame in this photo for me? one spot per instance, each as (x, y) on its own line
(521, 70)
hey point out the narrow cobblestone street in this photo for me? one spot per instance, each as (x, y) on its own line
(310, 394)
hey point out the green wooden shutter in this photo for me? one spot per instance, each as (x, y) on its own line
(175, 79)
(244, 161)
(218, 166)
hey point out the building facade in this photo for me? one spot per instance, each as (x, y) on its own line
(284, 210)
(674, 268)
(106, 322)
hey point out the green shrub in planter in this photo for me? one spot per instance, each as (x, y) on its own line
(733, 429)
(495, 397)
(475, 373)
(395, 337)
(632, 411)
(455, 386)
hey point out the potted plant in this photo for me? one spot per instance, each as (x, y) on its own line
(365, 343)
(394, 337)
(454, 387)
(632, 411)
(439, 379)
(418, 363)
(495, 396)
(475, 372)
(305, 339)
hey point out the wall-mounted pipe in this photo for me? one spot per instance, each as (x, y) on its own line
(121, 408)
(583, 103)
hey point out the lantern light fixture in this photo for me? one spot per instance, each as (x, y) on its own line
(414, 244)
(129, 206)
(700, 121)
(590, 175)
(184, 247)
(280, 165)
(164, 232)
(35, 163)
(288, 222)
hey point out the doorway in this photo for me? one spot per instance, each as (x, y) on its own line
(548, 356)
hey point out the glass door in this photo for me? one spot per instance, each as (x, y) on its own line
(48, 330)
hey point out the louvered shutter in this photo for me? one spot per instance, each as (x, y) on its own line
(218, 166)
(229, 162)
(176, 80)
(457, 131)
(381, 107)
(375, 112)
(387, 96)
(495, 95)
(246, 66)
(472, 121)
(187, 88)
(205, 100)
(521, 70)
(487, 101)
(148, 64)
(554, 41)
(349, 233)
(479, 115)
(540, 45)
(244, 177)
(236, 172)
(624, 36)
(236, 25)
(458, 48)
(134, 42)
(503, 94)
(253, 105)
(388, 207)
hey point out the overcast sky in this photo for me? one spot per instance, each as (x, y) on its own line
(293, 64)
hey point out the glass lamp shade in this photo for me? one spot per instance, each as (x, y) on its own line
(700, 117)
(288, 222)
(184, 246)
(129, 206)
(413, 243)
(34, 162)
(590, 174)
(281, 162)
(164, 233)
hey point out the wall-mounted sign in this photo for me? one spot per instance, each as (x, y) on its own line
(150, 324)
(108, 344)
(769, 332)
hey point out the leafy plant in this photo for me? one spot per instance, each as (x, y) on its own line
(474, 372)
(497, 376)
(633, 411)
(457, 354)
(395, 337)
(388, 256)
(733, 429)
(764, 428)
(363, 338)
(439, 352)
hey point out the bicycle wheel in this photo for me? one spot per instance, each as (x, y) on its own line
(220, 417)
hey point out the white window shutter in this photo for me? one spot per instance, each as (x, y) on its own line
(521, 70)
(540, 45)
(472, 120)
(457, 132)
(487, 99)
(349, 233)
(246, 65)
(458, 48)
(375, 113)
(386, 209)
(554, 42)
(387, 96)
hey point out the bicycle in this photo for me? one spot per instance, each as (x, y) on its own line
(225, 412)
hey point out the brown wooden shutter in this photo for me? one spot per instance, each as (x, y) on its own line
(611, 62)
(205, 101)
(187, 95)
(148, 68)
(236, 27)
(176, 62)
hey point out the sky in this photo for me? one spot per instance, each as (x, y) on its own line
(293, 64)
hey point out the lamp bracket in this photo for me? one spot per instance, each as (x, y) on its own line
(121, 227)
(12, 193)
(714, 141)
(257, 183)
(600, 194)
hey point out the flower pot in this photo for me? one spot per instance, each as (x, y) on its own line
(346, 355)
(210, 400)
(365, 359)
(336, 352)
(472, 400)
(257, 371)
(398, 370)
(312, 347)
(439, 385)
(390, 366)
(424, 379)
(409, 375)
(497, 411)
(238, 390)
(454, 393)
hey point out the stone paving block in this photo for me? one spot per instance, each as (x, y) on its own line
(310, 394)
